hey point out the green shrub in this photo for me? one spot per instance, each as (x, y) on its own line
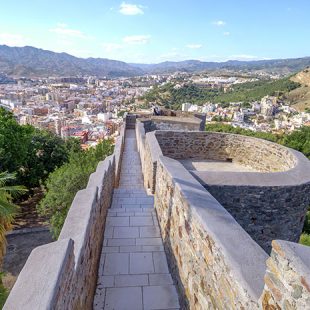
(305, 239)
(66, 181)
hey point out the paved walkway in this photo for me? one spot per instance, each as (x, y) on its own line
(133, 272)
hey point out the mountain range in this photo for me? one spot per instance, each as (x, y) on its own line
(34, 62)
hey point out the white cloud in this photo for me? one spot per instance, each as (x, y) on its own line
(194, 46)
(12, 39)
(219, 23)
(226, 33)
(131, 9)
(110, 47)
(63, 30)
(137, 39)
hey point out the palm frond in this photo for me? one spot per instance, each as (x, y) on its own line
(15, 191)
(7, 209)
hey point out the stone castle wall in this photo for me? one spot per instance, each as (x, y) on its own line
(266, 212)
(214, 262)
(150, 151)
(63, 274)
(268, 204)
(148, 145)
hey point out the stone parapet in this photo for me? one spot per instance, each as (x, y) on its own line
(215, 263)
(118, 153)
(63, 274)
(172, 123)
(46, 280)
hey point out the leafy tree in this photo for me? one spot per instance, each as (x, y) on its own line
(7, 209)
(67, 180)
(46, 151)
(72, 145)
(14, 141)
(30, 152)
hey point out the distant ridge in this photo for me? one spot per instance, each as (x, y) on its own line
(34, 62)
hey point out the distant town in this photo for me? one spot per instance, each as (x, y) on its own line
(91, 108)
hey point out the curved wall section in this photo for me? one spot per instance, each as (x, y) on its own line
(261, 155)
(269, 203)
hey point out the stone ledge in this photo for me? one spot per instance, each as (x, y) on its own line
(298, 175)
(245, 259)
(298, 256)
(155, 149)
(37, 287)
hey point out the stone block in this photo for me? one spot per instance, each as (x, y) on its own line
(141, 263)
(116, 263)
(123, 298)
(160, 297)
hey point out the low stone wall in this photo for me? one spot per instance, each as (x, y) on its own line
(172, 123)
(63, 274)
(118, 153)
(149, 151)
(214, 262)
(288, 277)
(221, 146)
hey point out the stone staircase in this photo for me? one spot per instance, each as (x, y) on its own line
(133, 272)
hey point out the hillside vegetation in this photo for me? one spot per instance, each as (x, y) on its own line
(63, 184)
(300, 97)
(170, 96)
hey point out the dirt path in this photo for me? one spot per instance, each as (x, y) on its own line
(30, 230)
(28, 216)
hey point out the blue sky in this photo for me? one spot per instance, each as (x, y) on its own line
(159, 30)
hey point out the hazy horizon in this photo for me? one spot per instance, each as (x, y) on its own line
(154, 63)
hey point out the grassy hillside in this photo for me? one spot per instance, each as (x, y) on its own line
(300, 97)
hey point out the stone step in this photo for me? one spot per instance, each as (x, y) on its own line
(130, 195)
(122, 190)
(131, 178)
(130, 187)
(133, 181)
(133, 200)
